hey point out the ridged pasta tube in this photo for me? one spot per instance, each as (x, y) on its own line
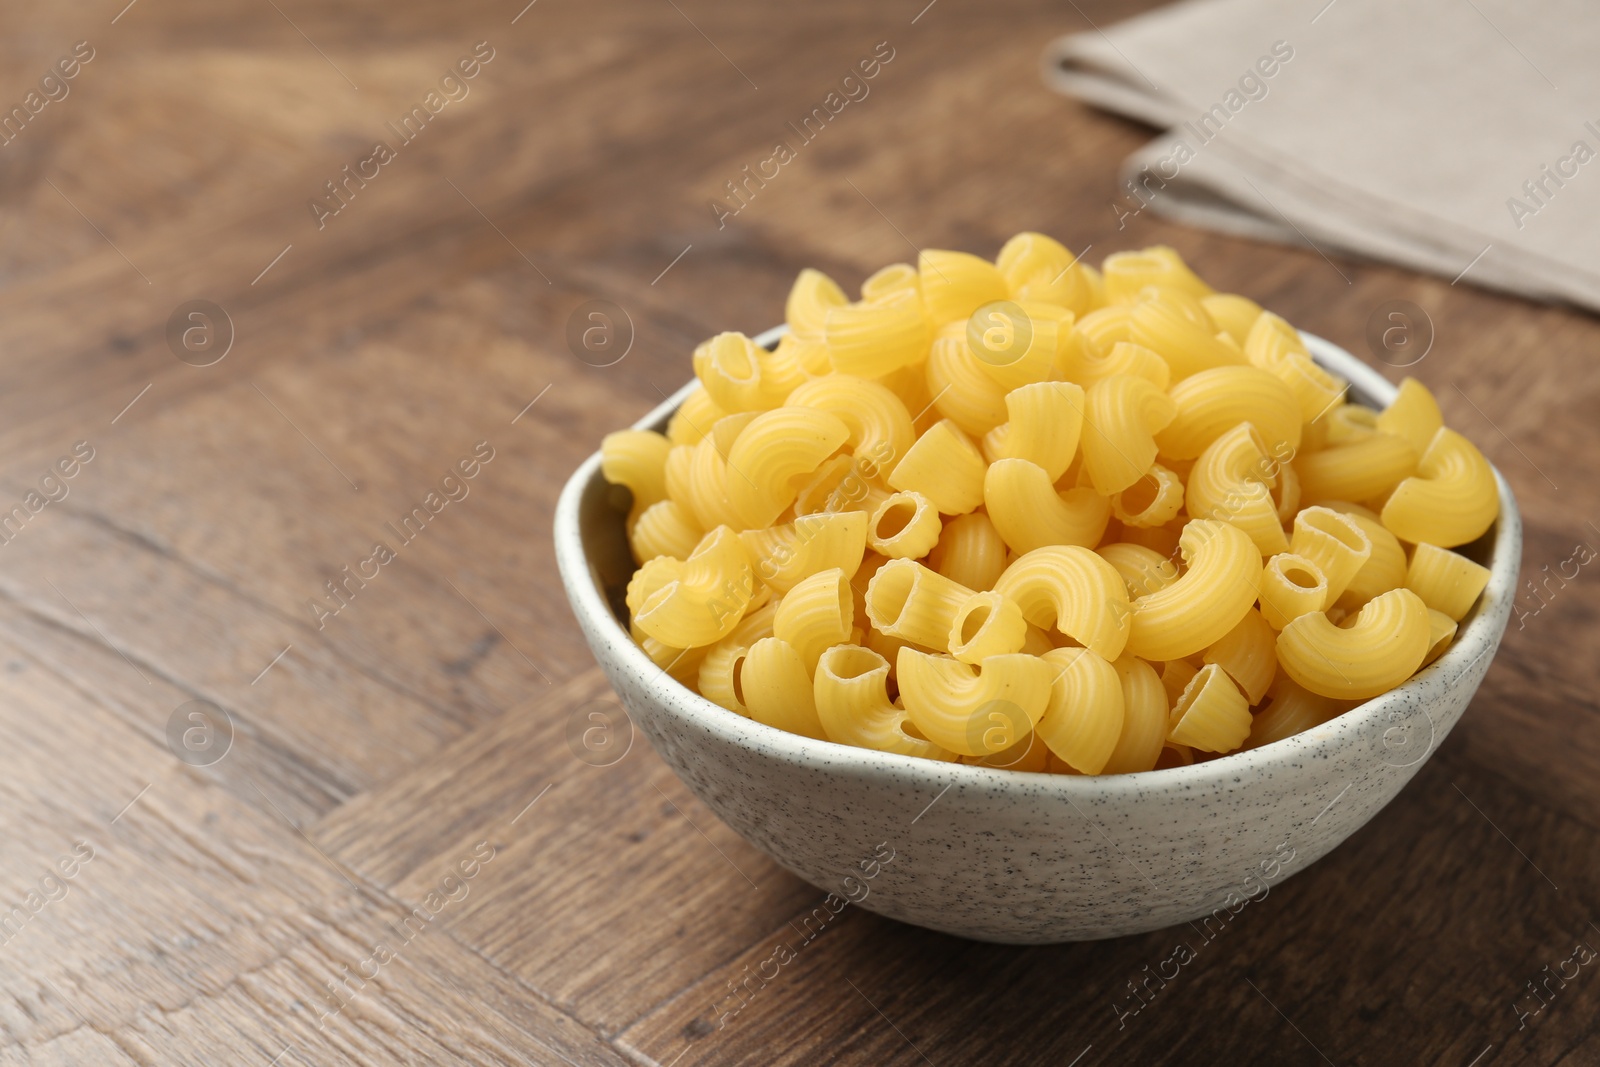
(1036, 267)
(1365, 468)
(1291, 709)
(908, 601)
(1451, 500)
(1028, 512)
(1074, 590)
(1143, 570)
(891, 279)
(1231, 481)
(1441, 631)
(904, 526)
(1044, 425)
(1379, 649)
(879, 425)
(851, 689)
(1333, 541)
(1017, 345)
(1384, 570)
(1211, 715)
(705, 601)
(815, 615)
(945, 467)
(1128, 273)
(973, 711)
(1413, 414)
(742, 376)
(1122, 415)
(1233, 314)
(1083, 719)
(784, 555)
(961, 391)
(720, 679)
(1219, 583)
(1446, 581)
(1276, 347)
(777, 688)
(870, 340)
(811, 297)
(1212, 402)
(638, 460)
(970, 551)
(694, 418)
(1153, 500)
(955, 284)
(1188, 346)
(665, 528)
(1144, 718)
(1291, 586)
(774, 450)
(1086, 367)
(1249, 654)
(986, 624)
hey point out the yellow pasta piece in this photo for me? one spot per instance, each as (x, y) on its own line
(960, 390)
(1016, 345)
(1211, 714)
(1413, 414)
(1044, 425)
(719, 678)
(777, 688)
(1083, 719)
(774, 450)
(652, 576)
(1451, 500)
(638, 460)
(1074, 590)
(1347, 423)
(815, 615)
(1291, 586)
(1231, 481)
(705, 601)
(879, 425)
(1086, 367)
(970, 551)
(812, 296)
(1445, 580)
(955, 284)
(870, 340)
(851, 690)
(784, 555)
(1441, 631)
(665, 528)
(1233, 314)
(945, 467)
(1213, 402)
(842, 483)
(1128, 273)
(1094, 336)
(911, 602)
(742, 376)
(1175, 675)
(974, 711)
(1122, 415)
(706, 492)
(1144, 720)
(1036, 267)
(1028, 754)
(904, 526)
(986, 624)
(1371, 654)
(694, 418)
(1291, 709)
(1335, 543)
(1153, 500)
(1143, 570)
(805, 356)
(1363, 469)
(1028, 512)
(1384, 570)
(1275, 346)
(1216, 589)
(1187, 342)
(681, 664)
(891, 279)
(1249, 653)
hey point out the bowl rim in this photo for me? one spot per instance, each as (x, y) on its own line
(729, 727)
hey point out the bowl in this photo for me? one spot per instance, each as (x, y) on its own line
(1015, 857)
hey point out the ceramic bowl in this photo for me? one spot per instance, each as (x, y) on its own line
(1016, 857)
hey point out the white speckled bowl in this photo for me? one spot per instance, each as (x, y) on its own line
(1034, 858)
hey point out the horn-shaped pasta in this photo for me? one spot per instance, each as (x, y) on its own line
(986, 624)
(811, 297)
(1249, 654)
(908, 601)
(652, 576)
(1017, 345)
(1189, 346)
(1125, 357)
(705, 601)
(1291, 709)
(805, 354)
(707, 489)
(1211, 715)
(1153, 500)
(1384, 570)
(1143, 570)
(1028, 512)
(879, 425)
(904, 526)
(742, 376)
(961, 391)
(1379, 649)
(1413, 414)
(1275, 347)
(1036, 267)
(1363, 469)
(815, 615)
(665, 528)
(1212, 402)
(970, 551)
(1128, 273)
(1083, 719)
(1144, 718)
(1075, 590)
(1291, 586)
(1335, 543)
(1232, 481)
(1347, 423)
(1441, 631)
(973, 711)
(891, 279)
(694, 418)
(774, 450)
(638, 460)
(851, 689)
(1445, 580)
(1233, 314)
(1044, 425)
(777, 688)
(1095, 335)
(1222, 569)
(945, 467)
(722, 665)
(1452, 499)
(783, 555)
(955, 284)
(870, 340)
(1122, 415)
(1175, 675)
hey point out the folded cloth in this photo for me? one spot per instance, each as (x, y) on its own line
(1457, 137)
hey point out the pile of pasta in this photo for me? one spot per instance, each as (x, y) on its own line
(1035, 515)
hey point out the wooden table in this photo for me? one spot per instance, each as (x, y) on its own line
(301, 893)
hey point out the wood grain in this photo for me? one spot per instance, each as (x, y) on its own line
(377, 750)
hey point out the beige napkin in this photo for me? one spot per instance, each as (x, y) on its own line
(1458, 137)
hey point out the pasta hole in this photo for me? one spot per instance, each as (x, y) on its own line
(1139, 496)
(847, 663)
(1299, 577)
(909, 728)
(895, 518)
(974, 622)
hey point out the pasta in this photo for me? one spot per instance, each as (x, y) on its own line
(1036, 517)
